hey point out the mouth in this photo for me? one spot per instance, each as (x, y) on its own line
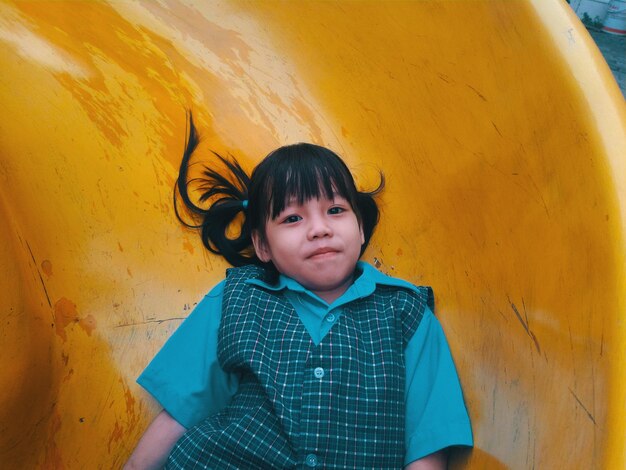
(322, 253)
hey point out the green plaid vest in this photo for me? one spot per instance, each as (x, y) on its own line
(337, 405)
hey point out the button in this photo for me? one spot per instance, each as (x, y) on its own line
(319, 373)
(311, 460)
(330, 318)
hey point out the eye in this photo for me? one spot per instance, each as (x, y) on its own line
(291, 219)
(336, 210)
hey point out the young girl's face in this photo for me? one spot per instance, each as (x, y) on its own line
(317, 243)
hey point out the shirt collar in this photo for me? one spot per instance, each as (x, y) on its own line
(367, 279)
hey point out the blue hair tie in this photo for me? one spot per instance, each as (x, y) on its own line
(244, 203)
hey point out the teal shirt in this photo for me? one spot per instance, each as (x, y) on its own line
(187, 380)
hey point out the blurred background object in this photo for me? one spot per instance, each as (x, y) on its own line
(606, 22)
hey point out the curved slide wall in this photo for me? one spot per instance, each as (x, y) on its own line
(499, 128)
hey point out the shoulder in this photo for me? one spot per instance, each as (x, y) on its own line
(246, 282)
(249, 270)
(209, 306)
(399, 289)
(421, 297)
(216, 292)
(243, 273)
(409, 301)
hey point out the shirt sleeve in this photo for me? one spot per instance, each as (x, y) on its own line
(436, 416)
(185, 376)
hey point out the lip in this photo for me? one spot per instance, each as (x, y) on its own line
(320, 252)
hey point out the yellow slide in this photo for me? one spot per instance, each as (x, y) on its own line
(498, 125)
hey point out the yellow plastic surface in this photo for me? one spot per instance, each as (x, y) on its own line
(499, 128)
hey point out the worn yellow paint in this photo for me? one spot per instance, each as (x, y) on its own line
(499, 128)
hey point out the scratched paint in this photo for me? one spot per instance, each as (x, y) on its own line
(499, 137)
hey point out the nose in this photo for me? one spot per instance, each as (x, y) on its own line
(319, 228)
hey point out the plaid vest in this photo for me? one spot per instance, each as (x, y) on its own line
(337, 405)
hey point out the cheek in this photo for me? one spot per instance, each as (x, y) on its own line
(261, 247)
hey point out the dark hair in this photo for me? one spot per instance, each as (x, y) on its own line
(301, 171)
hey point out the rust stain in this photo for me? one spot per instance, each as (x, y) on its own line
(188, 246)
(130, 273)
(69, 375)
(130, 402)
(46, 267)
(88, 324)
(65, 314)
(131, 412)
(120, 247)
(53, 459)
(121, 431)
(116, 435)
(399, 252)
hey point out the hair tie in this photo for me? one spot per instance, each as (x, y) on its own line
(244, 203)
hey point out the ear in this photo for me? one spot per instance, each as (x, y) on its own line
(260, 247)
(362, 234)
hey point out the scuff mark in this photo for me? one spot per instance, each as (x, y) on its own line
(476, 91)
(496, 128)
(582, 406)
(494, 398)
(31, 252)
(525, 324)
(602, 344)
(444, 77)
(188, 246)
(150, 321)
(45, 290)
(69, 375)
(543, 201)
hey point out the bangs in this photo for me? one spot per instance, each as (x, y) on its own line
(302, 186)
(300, 177)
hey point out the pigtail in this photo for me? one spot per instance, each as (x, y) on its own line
(368, 210)
(225, 194)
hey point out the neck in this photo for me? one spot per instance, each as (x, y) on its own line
(330, 295)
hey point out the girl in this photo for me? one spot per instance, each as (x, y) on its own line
(303, 356)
